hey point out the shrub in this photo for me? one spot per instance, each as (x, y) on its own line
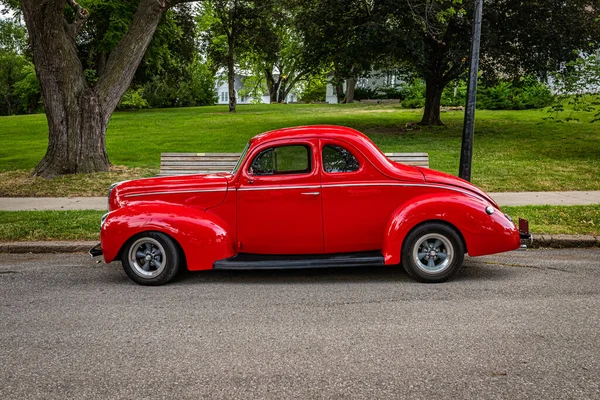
(133, 99)
(365, 93)
(314, 90)
(413, 103)
(527, 93)
(390, 92)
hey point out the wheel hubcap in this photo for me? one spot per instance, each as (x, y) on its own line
(147, 257)
(433, 253)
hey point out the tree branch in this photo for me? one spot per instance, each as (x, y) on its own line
(81, 15)
(127, 55)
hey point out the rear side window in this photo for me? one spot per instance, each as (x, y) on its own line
(338, 159)
(293, 159)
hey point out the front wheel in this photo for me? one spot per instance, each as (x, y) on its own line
(151, 258)
(432, 253)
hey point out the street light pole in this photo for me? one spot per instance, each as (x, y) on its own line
(466, 149)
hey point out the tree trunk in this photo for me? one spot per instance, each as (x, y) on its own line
(78, 114)
(77, 146)
(271, 85)
(339, 90)
(433, 98)
(231, 77)
(350, 85)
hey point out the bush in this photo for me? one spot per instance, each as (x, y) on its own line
(362, 93)
(528, 93)
(133, 99)
(391, 92)
(194, 88)
(413, 103)
(412, 91)
(314, 90)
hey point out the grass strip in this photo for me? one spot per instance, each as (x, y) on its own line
(85, 225)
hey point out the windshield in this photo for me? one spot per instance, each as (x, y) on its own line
(237, 166)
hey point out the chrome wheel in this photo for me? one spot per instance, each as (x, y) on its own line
(433, 253)
(147, 257)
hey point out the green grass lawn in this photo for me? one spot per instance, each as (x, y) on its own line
(85, 225)
(514, 150)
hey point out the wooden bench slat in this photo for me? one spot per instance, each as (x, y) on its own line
(200, 163)
(200, 154)
(203, 163)
(406, 154)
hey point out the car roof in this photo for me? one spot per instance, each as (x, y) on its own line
(311, 131)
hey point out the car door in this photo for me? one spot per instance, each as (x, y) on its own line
(357, 199)
(279, 200)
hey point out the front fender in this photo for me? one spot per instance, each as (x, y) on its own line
(203, 237)
(482, 233)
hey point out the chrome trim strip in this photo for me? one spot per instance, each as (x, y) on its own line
(177, 192)
(278, 187)
(475, 195)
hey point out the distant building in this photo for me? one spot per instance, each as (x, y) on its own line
(222, 89)
(377, 79)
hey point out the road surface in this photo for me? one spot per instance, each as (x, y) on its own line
(518, 325)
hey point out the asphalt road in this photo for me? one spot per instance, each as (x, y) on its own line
(518, 325)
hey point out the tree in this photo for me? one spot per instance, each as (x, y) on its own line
(78, 111)
(276, 49)
(228, 24)
(342, 36)
(518, 38)
(18, 92)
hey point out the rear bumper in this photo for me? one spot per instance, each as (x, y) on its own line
(95, 251)
(524, 234)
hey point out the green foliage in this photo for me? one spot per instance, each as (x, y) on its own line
(199, 88)
(28, 90)
(195, 87)
(133, 100)
(365, 93)
(19, 88)
(577, 88)
(413, 103)
(315, 89)
(528, 93)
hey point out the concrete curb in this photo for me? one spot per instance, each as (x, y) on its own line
(539, 241)
(565, 241)
(47, 247)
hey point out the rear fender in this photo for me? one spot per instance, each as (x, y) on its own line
(203, 237)
(482, 233)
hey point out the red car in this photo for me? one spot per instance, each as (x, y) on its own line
(303, 197)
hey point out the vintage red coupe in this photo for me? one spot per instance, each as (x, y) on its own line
(303, 197)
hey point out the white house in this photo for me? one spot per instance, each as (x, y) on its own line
(376, 80)
(222, 89)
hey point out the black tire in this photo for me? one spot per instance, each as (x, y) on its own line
(151, 258)
(429, 266)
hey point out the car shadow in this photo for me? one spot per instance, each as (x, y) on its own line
(329, 275)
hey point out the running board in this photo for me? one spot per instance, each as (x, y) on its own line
(259, 261)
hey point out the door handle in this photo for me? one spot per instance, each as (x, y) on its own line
(311, 193)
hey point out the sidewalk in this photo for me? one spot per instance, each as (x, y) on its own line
(100, 203)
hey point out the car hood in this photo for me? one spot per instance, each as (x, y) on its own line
(433, 176)
(200, 191)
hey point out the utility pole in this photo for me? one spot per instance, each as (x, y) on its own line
(466, 149)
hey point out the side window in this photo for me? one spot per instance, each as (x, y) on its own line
(282, 160)
(338, 159)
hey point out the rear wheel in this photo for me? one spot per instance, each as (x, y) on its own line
(432, 253)
(151, 258)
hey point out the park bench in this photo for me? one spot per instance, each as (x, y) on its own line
(205, 163)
